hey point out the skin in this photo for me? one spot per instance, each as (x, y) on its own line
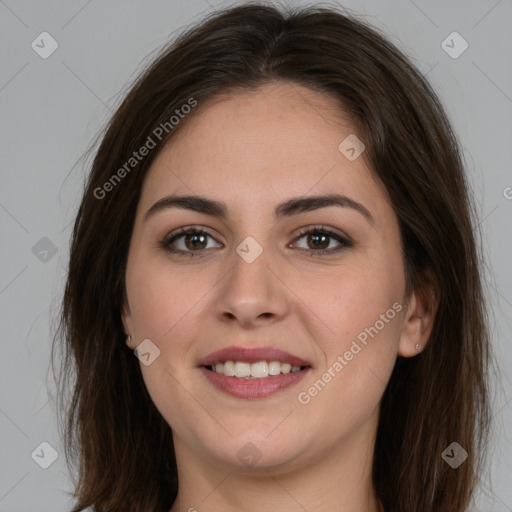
(254, 150)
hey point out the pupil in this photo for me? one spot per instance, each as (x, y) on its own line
(194, 244)
(324, 245)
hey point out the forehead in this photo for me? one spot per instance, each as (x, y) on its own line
(259, 147)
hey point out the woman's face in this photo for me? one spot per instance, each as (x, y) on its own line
(254, 286)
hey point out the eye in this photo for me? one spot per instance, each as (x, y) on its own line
(320, 239)
(193, 244)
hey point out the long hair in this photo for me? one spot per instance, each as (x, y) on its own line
(120, 443)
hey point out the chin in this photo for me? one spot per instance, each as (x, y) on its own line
(257, 451)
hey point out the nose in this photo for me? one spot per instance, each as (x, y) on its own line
(253, 293)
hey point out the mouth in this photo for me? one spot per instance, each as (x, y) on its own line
(253, 373)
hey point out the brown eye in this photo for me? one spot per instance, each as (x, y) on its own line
(318, 240)
(195, 241)
(187, 242)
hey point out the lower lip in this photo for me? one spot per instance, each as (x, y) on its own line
(253, 388)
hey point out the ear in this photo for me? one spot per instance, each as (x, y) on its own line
(126, 317)
(419, 316)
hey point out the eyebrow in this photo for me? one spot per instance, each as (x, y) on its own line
(288, 208)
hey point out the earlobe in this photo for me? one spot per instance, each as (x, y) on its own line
(127, 325)
(419, 319)
(130, 341)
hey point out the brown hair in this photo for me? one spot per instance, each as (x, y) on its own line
(123, 444)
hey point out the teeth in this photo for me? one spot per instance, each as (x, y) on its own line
(259, 370)
(286, 368)
(274, 368)
(229, 368)
(242, 369)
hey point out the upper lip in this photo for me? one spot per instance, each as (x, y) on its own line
(252, 355)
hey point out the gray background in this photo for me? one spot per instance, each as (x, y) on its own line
(50, 111)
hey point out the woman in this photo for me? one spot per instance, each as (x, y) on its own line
(277, 224)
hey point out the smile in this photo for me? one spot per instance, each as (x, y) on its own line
(251, 373)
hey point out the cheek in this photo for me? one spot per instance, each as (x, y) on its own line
(353, 301)
(165, 305)
(162, 299)
(358, 365)
(362, 309)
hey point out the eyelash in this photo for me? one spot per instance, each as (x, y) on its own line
(166, 242)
